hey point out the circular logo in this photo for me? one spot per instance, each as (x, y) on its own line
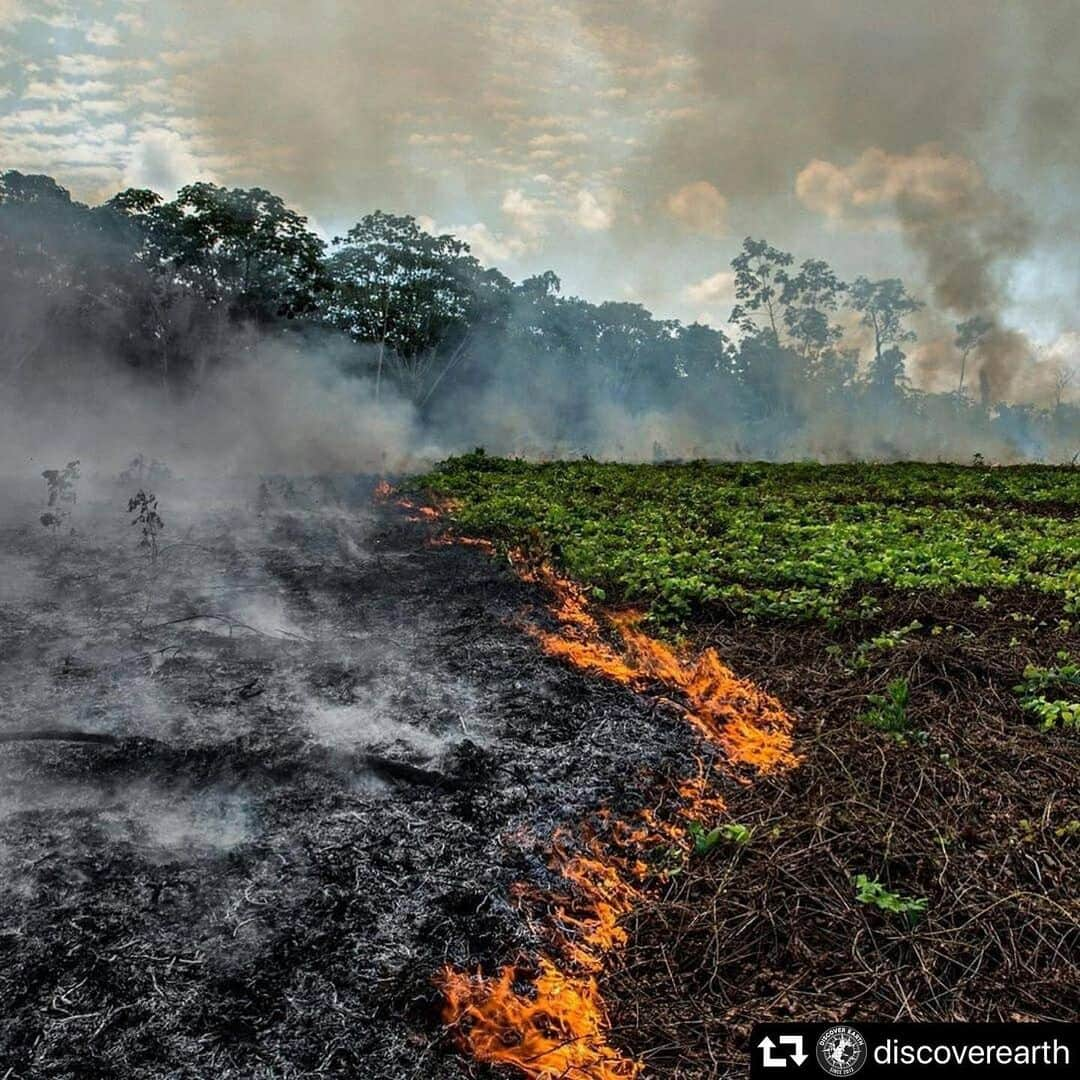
(841, 1050)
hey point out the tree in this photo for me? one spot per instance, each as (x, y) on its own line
(760, 278)
(411, 293)
(808, 298)
(887, 370)
(629, 343)
(702, 354)
(1064, 377)
(883, 306)
(970, 334)
(173, 314)
(244, 248)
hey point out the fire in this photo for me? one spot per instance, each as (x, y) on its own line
(556, 1030)
(554, 1025)
(587, 925)
(750, 726)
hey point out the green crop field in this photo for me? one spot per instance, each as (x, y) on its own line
(784, 541)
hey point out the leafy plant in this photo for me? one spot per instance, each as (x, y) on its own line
(888, 713)
(871, 891)
(730, 832)
(61, 495)
(144, 505)
(778, 542)
(881, 643)
(1042, 693)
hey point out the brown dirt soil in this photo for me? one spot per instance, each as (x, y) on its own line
(983, 821)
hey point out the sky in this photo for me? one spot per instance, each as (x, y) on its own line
(629, 145)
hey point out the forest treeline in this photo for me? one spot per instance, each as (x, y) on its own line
(172, 288)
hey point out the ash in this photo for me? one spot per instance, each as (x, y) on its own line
(254, 796)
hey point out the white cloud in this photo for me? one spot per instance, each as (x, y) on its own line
(489, 247)
(11, 12)
(102, 35)
(719, 288)
(699, 206)
(451, 138)
(131, 19)
(596, 210)
(90, 65)
(64, 90)
(161, 159)
(549, 138)
(42, 119)
(526, 214)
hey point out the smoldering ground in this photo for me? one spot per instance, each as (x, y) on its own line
(291, 769)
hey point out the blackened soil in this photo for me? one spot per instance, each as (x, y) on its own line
(323, 752)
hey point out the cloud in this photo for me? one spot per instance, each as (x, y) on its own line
(868, 190)
(595, 210)
(699, 207)
(11, 12)
(452, 138)
(718, 288)
(102, 35)
(91, 65)
(162, 159)
(527, 215)
(64, 89)
(549, 138)
(490, 248)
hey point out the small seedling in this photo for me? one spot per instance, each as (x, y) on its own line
(704, 842)
(871, 891)
(144, 506)
(61, 495)
(865, 651)
(1052, 694)
(888, 713)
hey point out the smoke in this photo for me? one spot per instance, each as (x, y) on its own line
(271, 407)
(968, 238)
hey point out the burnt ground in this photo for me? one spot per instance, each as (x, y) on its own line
(978, 811)
(316, 753)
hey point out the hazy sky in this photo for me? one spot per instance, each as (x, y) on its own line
(627, 144)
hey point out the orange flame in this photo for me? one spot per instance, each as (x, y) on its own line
(555, 1031)
(748, 724)
(553, 1026)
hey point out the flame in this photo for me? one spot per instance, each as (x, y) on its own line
(749, 725)
(554, 1031)
(383, 491)
(553, 1025)
(587, 924)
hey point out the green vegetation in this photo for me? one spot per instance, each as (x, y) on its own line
(888, 712)
(1052, 693)
(730, 832)
(871, 891)
(781, 541)
(866, 651)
